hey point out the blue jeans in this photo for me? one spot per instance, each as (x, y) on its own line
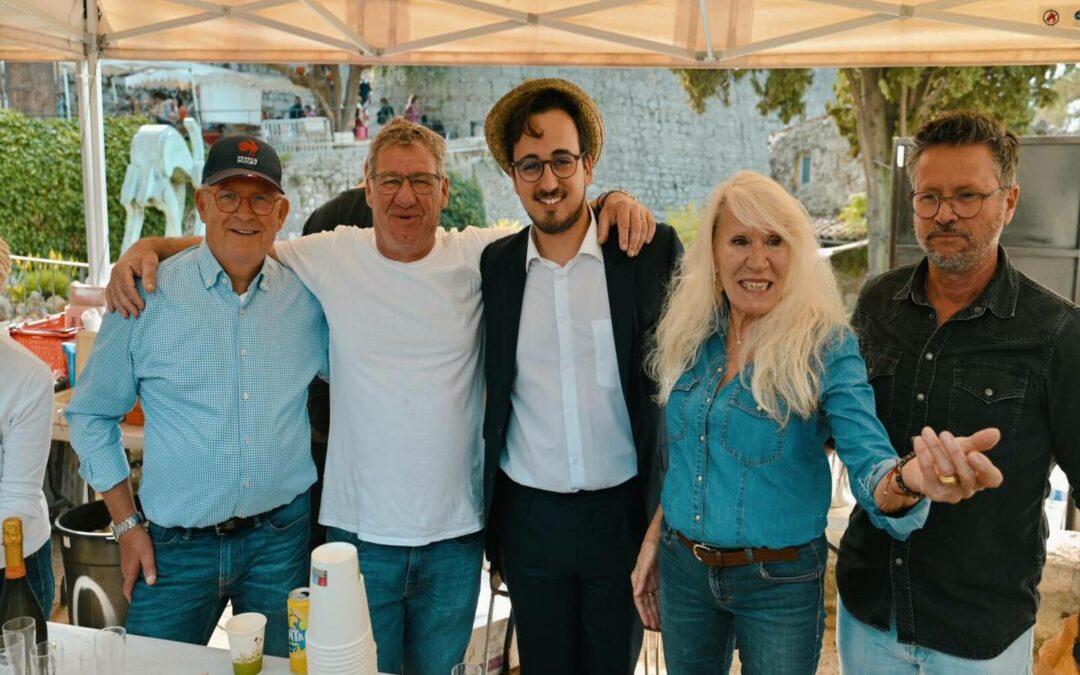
(422, 600)
(199, 572)
(865, 649)
(40, 575)
(775, 611)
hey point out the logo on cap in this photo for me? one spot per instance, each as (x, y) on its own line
(249, 147)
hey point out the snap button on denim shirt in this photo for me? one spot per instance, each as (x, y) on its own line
(738, 479)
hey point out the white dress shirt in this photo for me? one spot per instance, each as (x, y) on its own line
(569, 429)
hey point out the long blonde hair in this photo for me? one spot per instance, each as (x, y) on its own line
(787, 344)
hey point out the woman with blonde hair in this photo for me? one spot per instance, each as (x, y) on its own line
(758, 368)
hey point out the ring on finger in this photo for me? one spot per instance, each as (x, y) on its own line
(947, 480)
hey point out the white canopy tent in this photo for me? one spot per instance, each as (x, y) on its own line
(655, 33)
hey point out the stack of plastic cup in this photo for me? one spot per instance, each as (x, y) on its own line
(339, 638)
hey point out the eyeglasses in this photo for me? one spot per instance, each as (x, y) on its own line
(261, 203)
(422, 183)
(563, 165)
(965, 204)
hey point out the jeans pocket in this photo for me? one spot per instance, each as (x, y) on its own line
(809, 566)
(290, 516)
(164, 536)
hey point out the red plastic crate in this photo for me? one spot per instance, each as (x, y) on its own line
(43, 338)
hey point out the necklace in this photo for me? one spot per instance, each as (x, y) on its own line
(735, 333)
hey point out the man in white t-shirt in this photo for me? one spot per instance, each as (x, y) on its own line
(404, 472)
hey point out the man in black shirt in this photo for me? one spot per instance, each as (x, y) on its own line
(962, 341)
(347, 208)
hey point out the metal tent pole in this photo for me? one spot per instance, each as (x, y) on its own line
(92, 127)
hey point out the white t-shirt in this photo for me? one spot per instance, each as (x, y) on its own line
(404, 463)
(26, 413)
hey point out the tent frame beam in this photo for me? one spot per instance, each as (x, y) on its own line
(51, 23)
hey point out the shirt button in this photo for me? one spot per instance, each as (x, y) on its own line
(758, 408)
(920, 397)
(708, 399)
(243, 352)
(247, 440)
(700, 478)
(697, 517)
(929, 356)
(719, 369)
(701, 438)
(247, 483)
(241, 312)
(246, 396)
(899, 562)
(988, 391)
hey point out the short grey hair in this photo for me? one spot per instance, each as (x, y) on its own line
(401, 131)
(969, 127)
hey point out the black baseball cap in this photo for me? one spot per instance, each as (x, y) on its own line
(245, 156)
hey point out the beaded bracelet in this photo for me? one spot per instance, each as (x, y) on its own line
(898, 470)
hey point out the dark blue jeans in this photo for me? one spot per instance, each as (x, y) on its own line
(774, 611)
(422, 600)
(40, 575)
(199, 572)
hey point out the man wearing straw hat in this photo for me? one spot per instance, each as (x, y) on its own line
(404, 474)
(571, 422)
(26, 410)
(220, 361)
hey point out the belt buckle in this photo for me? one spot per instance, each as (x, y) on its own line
(225, 528)
(698, 548)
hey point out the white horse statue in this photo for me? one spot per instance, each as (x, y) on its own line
(161, 166)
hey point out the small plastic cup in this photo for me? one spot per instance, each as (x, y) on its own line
(45, 659)
(109, 645)
(26, 628)
(13, 655)
(467, 669)
(247, 633)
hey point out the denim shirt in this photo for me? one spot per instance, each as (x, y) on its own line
(967, 583)
(738, 479)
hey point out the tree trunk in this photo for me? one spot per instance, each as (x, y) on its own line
(352, 97)
(875, 123)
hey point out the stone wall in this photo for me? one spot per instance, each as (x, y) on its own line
(834, 175)
(656, 146)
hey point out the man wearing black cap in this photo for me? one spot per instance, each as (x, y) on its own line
(220, 361)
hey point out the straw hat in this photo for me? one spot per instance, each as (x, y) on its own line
(5, 263)
(501, 112)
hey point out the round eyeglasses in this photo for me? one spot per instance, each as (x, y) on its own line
(261, 203)
(423, 183)
(563, 165)
(965, 204)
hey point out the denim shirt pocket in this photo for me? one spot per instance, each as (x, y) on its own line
(680, 403)
(881, 365)
(986, 395)
(749, 434)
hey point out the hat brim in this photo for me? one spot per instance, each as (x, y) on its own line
(226, 174)
(495, 124)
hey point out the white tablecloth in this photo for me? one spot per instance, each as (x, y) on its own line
(150, 656)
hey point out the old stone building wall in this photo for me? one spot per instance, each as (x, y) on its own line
(813, 161)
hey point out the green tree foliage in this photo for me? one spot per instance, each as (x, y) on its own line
(874, 105)
(466, 205)
(41, 191)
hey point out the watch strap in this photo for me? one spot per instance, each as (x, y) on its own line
(126, 525)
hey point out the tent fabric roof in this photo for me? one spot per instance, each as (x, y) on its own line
(181, 75)
(658, 33)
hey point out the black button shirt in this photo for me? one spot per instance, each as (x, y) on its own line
(965, 584)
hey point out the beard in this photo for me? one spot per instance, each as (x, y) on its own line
(974, 252)
(552, 224)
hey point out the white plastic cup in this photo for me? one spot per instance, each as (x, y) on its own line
(338, 615)
(247, 634)
(109, 644)
(467, 669)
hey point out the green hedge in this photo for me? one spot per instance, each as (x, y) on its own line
(41, 193)
(466, 206)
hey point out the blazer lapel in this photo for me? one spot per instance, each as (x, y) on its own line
(620, 287)
(513, 287)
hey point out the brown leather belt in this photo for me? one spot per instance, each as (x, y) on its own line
(716, 557)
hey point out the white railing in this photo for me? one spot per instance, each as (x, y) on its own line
(304, 134)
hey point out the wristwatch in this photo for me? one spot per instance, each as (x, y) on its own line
(126, 525)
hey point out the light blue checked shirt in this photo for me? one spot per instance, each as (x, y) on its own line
(223, 382)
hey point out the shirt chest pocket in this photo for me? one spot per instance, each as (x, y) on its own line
(749, 434)
(680, 408)
(881, 367)
(986, 395)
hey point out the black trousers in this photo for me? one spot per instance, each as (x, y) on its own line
(567, 560)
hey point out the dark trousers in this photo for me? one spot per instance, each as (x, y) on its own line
(567, 560)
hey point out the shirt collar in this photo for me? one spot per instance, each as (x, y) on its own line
(211, 272)
(589, 245)
(999, 296)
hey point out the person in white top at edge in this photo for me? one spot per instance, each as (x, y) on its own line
(404, 479)
(26, 410)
